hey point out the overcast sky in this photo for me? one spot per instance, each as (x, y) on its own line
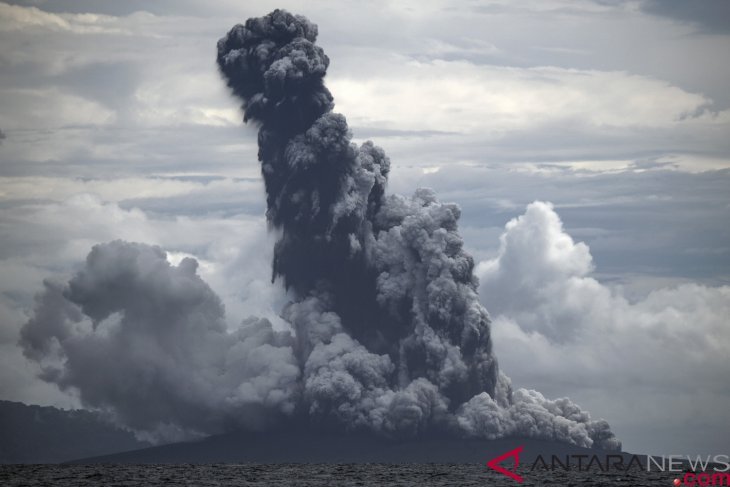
(114, 124)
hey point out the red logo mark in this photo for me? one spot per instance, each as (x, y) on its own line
(494, 464)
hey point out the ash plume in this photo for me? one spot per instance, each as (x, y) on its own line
(386, 335)
(392, 268)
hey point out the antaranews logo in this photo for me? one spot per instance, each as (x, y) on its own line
(719, 475)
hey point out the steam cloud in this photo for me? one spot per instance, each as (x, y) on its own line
(387, 332)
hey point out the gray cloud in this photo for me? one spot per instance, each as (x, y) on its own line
(86, 6)
(711, 16)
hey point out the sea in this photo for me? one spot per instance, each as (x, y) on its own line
(306, 475)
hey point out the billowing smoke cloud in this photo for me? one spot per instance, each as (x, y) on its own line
(393, 269)
(387, 332)
(146, 341)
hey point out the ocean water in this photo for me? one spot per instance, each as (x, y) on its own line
(416, 475)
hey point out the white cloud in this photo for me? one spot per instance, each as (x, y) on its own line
(40, 109)
(178, 97)
(117, 189)
(15, 18)
(465, 97)
(560, 329)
